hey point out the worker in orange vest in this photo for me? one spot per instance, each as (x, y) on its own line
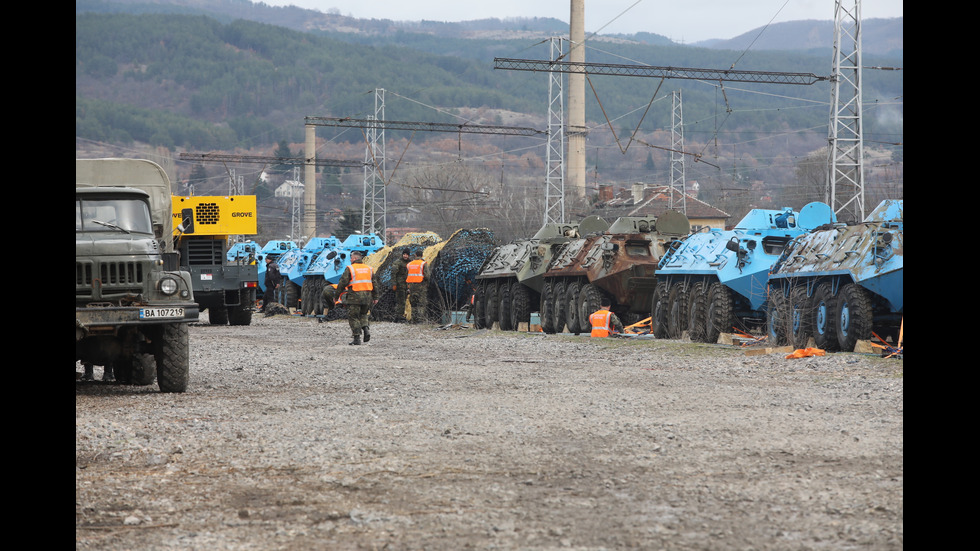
(604, 321)
(360, 287)
(418, 296)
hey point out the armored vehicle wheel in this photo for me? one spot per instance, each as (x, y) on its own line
(854, 316)
(658, 311)
(503, 316)
(493, 304)
(677, 310)
(800, 317)
(571, 307)
(520, 310)
(140, 369)
(561, 307)
(778, 317)
(823, 315)
(292, 294)
(589, 302)
(316, 295)
(480, 305)
(218, 315)
(172, 357)
(720, 316)
(306, 297)
(547, 308)
(696, 307)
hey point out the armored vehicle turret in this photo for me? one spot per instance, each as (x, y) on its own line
(842, 283)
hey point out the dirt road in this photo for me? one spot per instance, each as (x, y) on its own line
(429, 438)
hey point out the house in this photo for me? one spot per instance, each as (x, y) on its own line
(645, 200)
(287, 187)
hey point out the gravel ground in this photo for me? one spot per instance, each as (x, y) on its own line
(457, 438)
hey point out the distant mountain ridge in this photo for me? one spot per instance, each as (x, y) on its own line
(879, 36)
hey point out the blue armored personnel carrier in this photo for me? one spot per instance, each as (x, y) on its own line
(273, 249)
(294, 263)
(328, 266)
(841, 284)
(716, 281)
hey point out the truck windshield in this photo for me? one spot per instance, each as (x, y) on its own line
(112, 215)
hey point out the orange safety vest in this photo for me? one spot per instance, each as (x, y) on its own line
(339, 299)
(415, 268)
(600, 323)
(360, 279)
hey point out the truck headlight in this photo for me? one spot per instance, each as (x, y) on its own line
(168, 286)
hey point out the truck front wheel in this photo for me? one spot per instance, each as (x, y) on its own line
(171, 350)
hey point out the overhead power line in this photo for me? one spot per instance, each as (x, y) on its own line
(264, 159)
(424, 126)
(768, 77)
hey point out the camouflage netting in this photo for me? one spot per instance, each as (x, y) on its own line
(454, 265)
(383, 263)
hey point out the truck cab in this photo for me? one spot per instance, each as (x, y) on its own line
(133, 304)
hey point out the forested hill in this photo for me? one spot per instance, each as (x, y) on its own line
(213, 82)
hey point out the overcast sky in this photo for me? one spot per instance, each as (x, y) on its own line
(680, 20)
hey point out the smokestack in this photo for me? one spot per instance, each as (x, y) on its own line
(576, 100)
(605, 192)
(638, 193)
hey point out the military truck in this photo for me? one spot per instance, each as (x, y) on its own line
(223, 287)
(133, 304)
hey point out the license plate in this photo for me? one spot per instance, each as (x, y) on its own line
(161, 313)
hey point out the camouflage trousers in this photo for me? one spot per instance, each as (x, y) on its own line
(419, 299)
(401, 295)
(357, 317)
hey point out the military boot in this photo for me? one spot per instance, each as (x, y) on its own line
(357, 339)
(367, 334)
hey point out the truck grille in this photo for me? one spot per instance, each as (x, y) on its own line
(204, 252)
(111, 277)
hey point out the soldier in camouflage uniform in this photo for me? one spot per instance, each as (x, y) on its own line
(399, 286)
(360, 282)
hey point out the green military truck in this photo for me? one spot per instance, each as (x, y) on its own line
(133, 304)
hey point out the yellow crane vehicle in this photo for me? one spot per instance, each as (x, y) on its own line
(203, 229)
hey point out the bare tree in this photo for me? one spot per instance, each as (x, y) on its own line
(455, 195)
(447, 196)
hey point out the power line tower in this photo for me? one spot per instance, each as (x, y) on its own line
(296, 192)
(677, 178)
(554, 195)
(374, 219)
(236, 183)
(845, 177)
